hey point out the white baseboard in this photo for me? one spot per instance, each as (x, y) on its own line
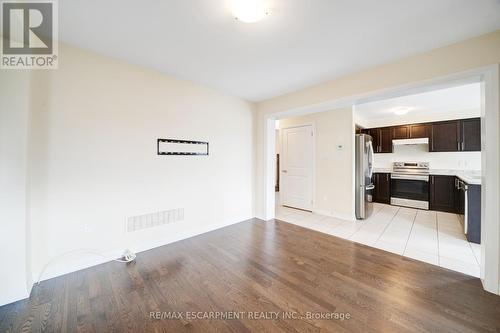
(322, 212)
(342, 216)
(14, 297)
(261, 218)
(85, 260)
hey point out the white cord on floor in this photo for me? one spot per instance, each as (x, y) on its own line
(128, 256)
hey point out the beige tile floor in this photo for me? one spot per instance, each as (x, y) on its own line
(433, 237)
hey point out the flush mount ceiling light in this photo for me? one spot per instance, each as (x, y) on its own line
(250, 10)
(401, 110)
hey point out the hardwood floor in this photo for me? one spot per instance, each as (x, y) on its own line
(256, 266)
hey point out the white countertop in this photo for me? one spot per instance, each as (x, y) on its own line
(471, 177)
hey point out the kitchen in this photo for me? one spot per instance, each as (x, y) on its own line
(427, 156)
(422, 196)
(414, 184)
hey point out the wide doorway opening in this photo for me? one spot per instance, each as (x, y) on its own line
(458, 227)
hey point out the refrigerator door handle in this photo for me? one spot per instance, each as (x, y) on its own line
(370, 159)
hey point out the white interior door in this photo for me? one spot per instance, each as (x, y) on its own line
(296, 163)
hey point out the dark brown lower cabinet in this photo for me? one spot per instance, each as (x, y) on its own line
(442, 193)
(382, 191)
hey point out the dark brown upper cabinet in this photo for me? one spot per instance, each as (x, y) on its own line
(450, 135)
(418, 131)
(456, 135)
(412, 131)
(401, 132)
(385, 140)
(445, 136)
(374, 133)
(471, 134)
(382, 139)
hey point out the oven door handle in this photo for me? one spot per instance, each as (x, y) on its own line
(410, 177)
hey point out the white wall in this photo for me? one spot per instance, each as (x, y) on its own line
(14, 254)
(95, 122)
(420, 153)
(333, 167)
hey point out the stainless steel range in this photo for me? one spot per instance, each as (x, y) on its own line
(410, 184)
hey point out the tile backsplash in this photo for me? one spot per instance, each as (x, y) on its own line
(420, 153)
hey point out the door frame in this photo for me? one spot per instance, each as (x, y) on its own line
(313, 165)
(488, 76)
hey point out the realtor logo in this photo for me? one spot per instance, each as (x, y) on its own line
(29, 34)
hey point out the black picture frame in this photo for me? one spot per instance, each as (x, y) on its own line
(184, 142)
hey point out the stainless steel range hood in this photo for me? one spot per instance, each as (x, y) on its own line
(421, 141)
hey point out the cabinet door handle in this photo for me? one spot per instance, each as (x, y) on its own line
(458, 145)
(387, 177)
(463, 145)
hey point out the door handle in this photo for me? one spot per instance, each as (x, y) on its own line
(370, 187)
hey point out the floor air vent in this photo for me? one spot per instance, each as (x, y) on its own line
(152, 220)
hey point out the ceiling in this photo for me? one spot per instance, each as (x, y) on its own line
(302, 42)
(449, 100)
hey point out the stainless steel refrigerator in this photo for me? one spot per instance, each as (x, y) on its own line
(363, 176)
